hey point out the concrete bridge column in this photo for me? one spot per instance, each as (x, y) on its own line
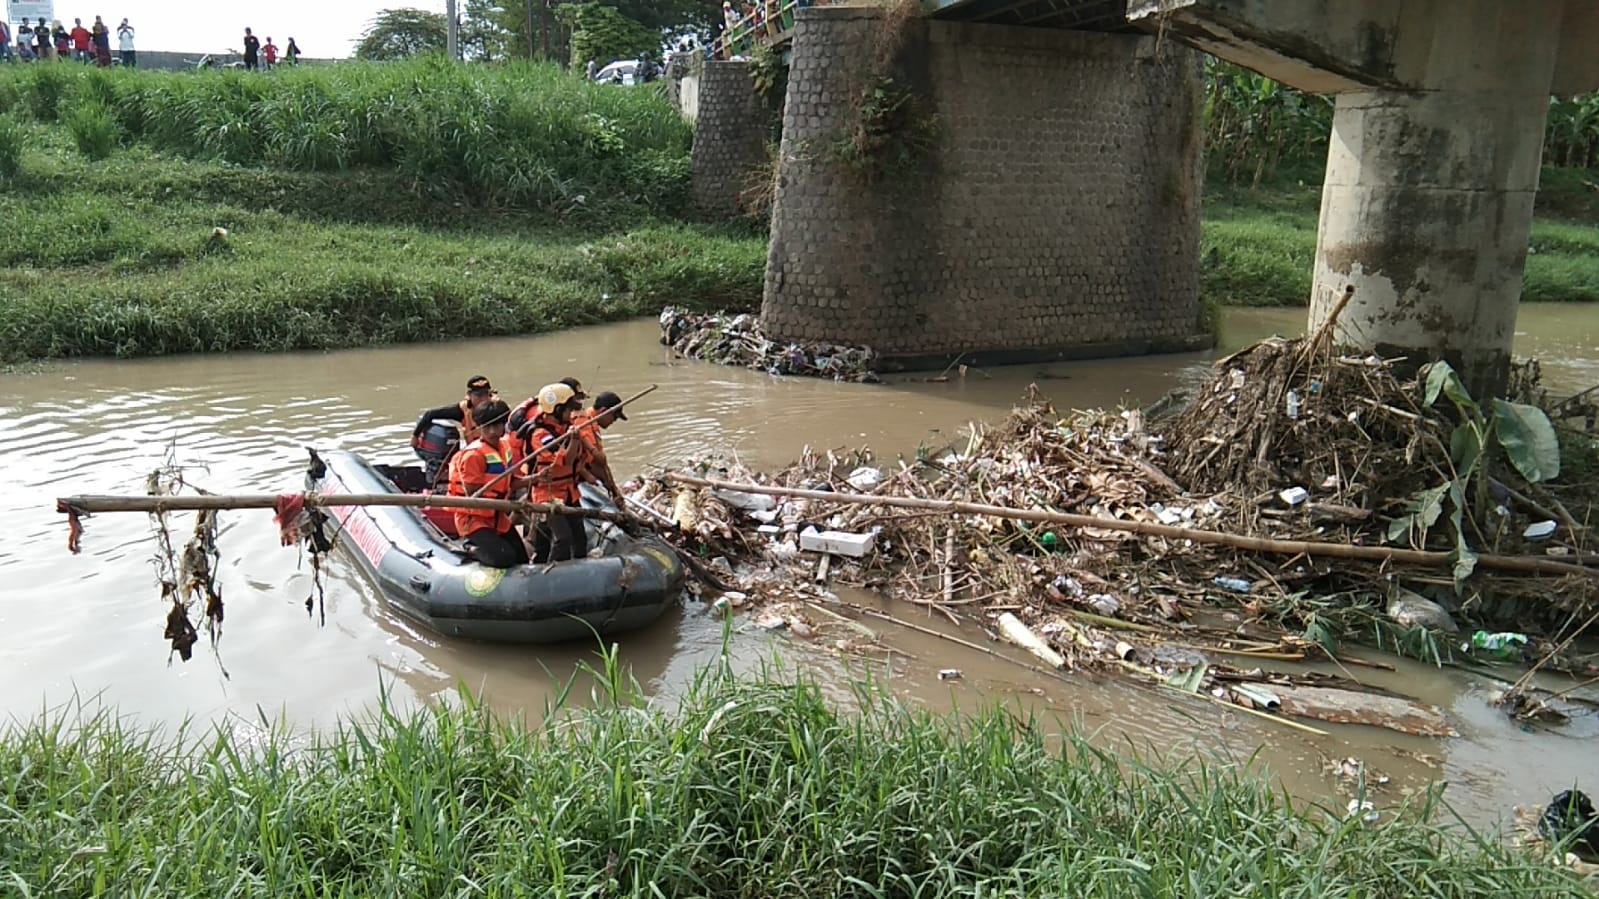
(1427, 203)
(1436, 143)
(1055, 216)
(731, 128)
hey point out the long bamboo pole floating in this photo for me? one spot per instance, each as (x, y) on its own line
(158, 504)
(1150, 529)
(556, 443)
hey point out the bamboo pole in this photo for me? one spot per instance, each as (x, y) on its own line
(83, 505)
(159, 504)
(1150, 529)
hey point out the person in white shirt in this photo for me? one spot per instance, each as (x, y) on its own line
(125, 45)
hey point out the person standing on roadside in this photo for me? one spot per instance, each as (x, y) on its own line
(25, 43)
(102, 43)
(63, 39)
(125, 45)
(292, 54)
(80, 41)
(41, 40)
(252, 51)
(5, 41)
(269, 52)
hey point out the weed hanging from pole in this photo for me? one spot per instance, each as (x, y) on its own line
(189, 576)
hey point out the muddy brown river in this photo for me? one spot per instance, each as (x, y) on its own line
(87, 628)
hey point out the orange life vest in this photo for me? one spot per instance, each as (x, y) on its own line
(471, 469)
(469, 428)
(558, 472)
(592, 435)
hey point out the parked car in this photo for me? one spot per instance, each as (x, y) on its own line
(622, 71)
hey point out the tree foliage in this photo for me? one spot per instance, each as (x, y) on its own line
(603, 33)
(400, 33)
(485, 32)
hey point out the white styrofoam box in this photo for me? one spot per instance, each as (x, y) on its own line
(841, 543)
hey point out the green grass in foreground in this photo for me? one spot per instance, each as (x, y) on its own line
(1259, 246)
(117, 258)
(747, 789)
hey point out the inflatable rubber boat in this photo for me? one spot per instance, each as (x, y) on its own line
(418, 565)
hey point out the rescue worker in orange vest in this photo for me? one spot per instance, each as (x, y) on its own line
(524, 413)
(557, 473)
(478, 392)
(489, 535)
(606, 411)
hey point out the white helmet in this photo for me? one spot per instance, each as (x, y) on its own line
(553, 396)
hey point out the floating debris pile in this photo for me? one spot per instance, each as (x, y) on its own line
(1255, 522)
(730, 339)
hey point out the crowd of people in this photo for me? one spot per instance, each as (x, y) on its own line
(31, 41)
(46, 41)
(265, 56)
(546, 449)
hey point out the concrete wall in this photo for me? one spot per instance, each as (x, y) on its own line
(688, 97)
(1058, 217)
(731, 129)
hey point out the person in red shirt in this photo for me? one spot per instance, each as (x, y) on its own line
(269, 52)
(490, 536)
(80, 42)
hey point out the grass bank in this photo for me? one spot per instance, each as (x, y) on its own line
(747, 789)
(1259, 243)
(117, 257)
(518, 135)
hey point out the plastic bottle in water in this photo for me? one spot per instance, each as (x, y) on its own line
(1501, 645)
(1293, 404)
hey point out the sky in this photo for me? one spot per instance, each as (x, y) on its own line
(322, 28)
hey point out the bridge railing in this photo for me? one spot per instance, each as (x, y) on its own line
(770, 23)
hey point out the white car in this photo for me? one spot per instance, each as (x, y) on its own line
(622, 71)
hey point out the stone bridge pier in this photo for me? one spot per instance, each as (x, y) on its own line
(732, 125)
(1436, 143)
(1055, 214)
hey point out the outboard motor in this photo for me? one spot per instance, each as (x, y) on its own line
(435, 447)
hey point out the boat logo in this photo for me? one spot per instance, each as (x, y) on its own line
(667, 562)
(482, 581)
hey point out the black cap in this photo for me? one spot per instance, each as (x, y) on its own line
(577, 387)
(605, 400)
(478, 384)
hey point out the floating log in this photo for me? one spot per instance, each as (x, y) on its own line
(1352, 707)
(1529, 565)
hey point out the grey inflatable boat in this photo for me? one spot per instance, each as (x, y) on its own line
(421, 571)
